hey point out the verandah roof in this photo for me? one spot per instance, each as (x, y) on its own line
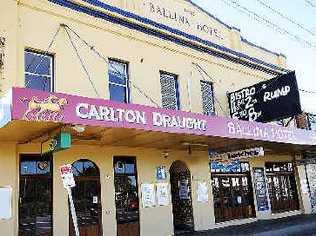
(30, 115)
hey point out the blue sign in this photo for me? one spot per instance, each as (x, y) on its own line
(232, 166)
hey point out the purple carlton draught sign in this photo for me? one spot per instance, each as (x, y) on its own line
(33, 105)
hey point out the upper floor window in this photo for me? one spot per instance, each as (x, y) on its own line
(118, 81)
(207, 98)
(38, 71)
(169, 91)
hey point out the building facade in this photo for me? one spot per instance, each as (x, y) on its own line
(141, 86)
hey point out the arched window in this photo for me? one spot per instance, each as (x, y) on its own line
(87, 198)
(85, 167)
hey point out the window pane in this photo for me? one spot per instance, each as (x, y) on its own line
(117, 72)
(38, 82)
(207, 98)
(169, 91)
(37, 63)
(28, 168)
(118, 93)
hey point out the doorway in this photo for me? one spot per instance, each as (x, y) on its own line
(126, 196)
(35, 195)
(233, 193)
(87, 199)
(180, 179)
(282, 187)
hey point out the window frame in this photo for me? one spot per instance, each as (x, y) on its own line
(213, 97)
(41, 54)
(127, 84)
(177, 95)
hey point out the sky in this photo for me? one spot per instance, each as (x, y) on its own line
(300, 56)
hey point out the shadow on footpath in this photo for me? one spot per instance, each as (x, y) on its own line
(287, 226)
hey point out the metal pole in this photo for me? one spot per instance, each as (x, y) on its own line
(73, 211)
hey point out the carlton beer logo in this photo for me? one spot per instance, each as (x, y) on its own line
(48, 109)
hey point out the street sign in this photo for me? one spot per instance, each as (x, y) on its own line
(67, 176)
(60, 142)
(69, 182)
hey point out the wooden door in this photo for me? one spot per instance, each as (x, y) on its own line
(180, 179)
(87, 199)
(282, 187)
(233, 193)
(35, 196)
(126, 196)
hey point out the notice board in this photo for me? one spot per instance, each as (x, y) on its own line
(5, 203)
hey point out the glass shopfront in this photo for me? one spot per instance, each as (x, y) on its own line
(282, 187)
(232, 191)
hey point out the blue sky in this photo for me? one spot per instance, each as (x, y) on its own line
(300, 57)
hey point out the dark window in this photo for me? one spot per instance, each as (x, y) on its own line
(126, 191)
(38, 71)
(35, 195)
(169, 91)
(118, 81)
(84, 168)
(207, 98)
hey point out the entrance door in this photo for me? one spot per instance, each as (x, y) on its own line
(180, 178)
(87, 199)
(35, 196)
(126, 196)
(233, 195)
(282, 187)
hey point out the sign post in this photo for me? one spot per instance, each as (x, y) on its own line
(69, 182)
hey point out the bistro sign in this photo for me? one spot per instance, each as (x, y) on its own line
(270, 100)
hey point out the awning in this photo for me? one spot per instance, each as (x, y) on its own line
(32, 115)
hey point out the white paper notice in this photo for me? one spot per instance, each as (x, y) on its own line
(5, 203)
(162, 194)
(148, 195)
(202, 192)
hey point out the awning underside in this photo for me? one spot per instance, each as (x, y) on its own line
(23, 132)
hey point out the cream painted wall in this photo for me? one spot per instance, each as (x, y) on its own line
(146, 56)
(147, 161)
(9, 170)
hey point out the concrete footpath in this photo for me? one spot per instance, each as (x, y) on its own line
(303, 225)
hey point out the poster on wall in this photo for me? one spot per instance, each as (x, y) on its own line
(266, 101)
(260, 189)
(183, 185)
(202, 192)
(5, 203)
(162, 194)
(161, 173)
(148, 195)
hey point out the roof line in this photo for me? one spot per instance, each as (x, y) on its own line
(124, 13)
(235, 28)
(214, 17)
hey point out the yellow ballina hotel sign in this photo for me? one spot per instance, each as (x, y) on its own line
(178, 15)
(183, 17)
